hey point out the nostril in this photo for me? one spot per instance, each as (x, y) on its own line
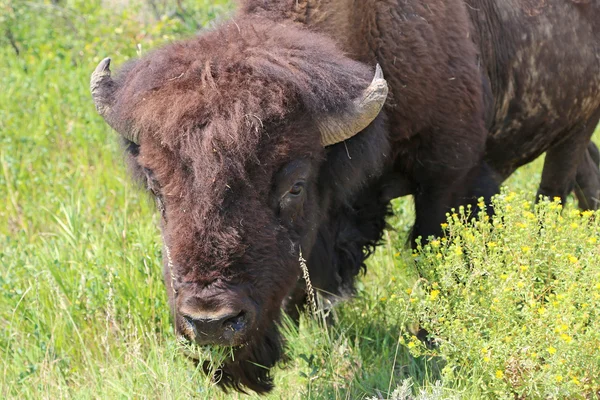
(236, 323)
(189, 320)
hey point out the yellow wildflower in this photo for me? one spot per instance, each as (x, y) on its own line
(558, 378)
(435, 243)
(572, 259)
(434, 294)
(541, 310)
(575, 381)
(525, 249)
(499, 374)
(566, 338)
(551, 350)
(592, 240)
(444, 225)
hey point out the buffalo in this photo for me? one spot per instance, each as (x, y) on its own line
(276, 135)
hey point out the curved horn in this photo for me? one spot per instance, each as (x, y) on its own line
(102, 87)
(361, 113)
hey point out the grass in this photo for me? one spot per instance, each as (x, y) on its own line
(82, 305)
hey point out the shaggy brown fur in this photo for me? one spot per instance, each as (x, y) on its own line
(227, 127)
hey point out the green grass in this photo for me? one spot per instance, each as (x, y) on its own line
(83, 311)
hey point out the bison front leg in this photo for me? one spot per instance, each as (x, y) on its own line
(587, 187)
(431, 205)
(440, 193)
(571, 161)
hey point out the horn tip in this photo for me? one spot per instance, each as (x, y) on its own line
(378, 72)
(103, 67)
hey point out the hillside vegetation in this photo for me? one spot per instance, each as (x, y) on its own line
(513, 301)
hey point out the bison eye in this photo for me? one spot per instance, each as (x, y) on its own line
(297, 188)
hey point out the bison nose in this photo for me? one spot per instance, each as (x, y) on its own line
(227, 329)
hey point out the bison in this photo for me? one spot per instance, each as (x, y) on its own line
(270, 136)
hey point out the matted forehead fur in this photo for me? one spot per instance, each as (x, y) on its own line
(221, 112)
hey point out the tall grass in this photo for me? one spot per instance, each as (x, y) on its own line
(83, 310)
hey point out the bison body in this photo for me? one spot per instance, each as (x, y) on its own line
(532, 68)
(262, 139)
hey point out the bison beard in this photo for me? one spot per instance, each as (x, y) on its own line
(346, 241)
(251, 368)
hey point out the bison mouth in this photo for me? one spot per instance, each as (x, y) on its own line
(241, 367)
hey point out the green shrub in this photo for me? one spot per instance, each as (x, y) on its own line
(512, 302)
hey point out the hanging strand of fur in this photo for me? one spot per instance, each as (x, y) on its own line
(309, 288)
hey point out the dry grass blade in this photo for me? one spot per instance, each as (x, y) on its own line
(309, 288)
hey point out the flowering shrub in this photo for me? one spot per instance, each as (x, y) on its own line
(512, 301)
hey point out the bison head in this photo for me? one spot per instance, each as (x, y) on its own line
(236, 134)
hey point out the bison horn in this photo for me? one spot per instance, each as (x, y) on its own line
(103, 87)
(363, 110)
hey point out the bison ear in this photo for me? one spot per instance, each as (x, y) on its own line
(103, 89)
(361, 112)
